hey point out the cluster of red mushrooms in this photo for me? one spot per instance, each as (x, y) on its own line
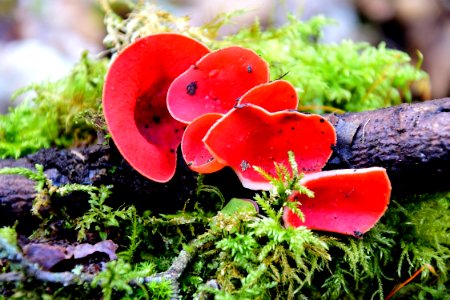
(167, 89)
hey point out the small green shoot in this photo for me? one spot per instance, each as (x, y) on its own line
(284, 183)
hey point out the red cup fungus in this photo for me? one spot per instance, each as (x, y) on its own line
(193, 149)
(272, 96)
(134, 101)
(236, 118)
(345, 201)
(250, 136)
(215, 82)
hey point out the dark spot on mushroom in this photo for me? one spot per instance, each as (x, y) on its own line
(292, 128)
(249, 69)
(191, 88)
(322, 132)
(210, 159)
(156, 119)
(322, 120)
(195, 67)
(244, 165)
(146, 126)
(172, 151)
(280, 131)
(358, 234)
(176, 130)
(347, 195)
(242, 105)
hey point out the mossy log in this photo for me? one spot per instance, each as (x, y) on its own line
(412, 141)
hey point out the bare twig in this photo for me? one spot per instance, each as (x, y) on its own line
(32, 270)
(179, 264)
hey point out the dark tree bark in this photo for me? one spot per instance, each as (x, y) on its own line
(412, 141)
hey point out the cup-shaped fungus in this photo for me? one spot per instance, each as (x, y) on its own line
(250, 136)
(272, 96)
(215, 82)
(193, 149)
(134, 101)
(345, 201)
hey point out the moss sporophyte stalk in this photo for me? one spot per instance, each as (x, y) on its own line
(232, 251)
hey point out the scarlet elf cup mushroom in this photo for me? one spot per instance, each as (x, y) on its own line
(215, 82)
(250, 136)
(237, 118)
(134, 101)
(193, 149)
(273, 96)
(345, 201)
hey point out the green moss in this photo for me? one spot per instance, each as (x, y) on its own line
(115, 282)
(253, 256)
(348, 76)
(50, 116)
(9, 234)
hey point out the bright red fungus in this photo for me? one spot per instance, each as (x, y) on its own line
(346, 201)
(134, 101)
(215, 83)
(250, 136)
(193, 149)
(272, 96)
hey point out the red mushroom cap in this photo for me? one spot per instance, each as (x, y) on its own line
(194, 151)
(250, 136)
(272, 96)
(215, 82)
(134, 101)
(345, 201)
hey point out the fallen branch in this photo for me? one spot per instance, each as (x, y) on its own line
(412, 141)
(178, 266)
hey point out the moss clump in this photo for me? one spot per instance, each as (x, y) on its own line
(50, 116)
(251, 255)
(347, 76)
